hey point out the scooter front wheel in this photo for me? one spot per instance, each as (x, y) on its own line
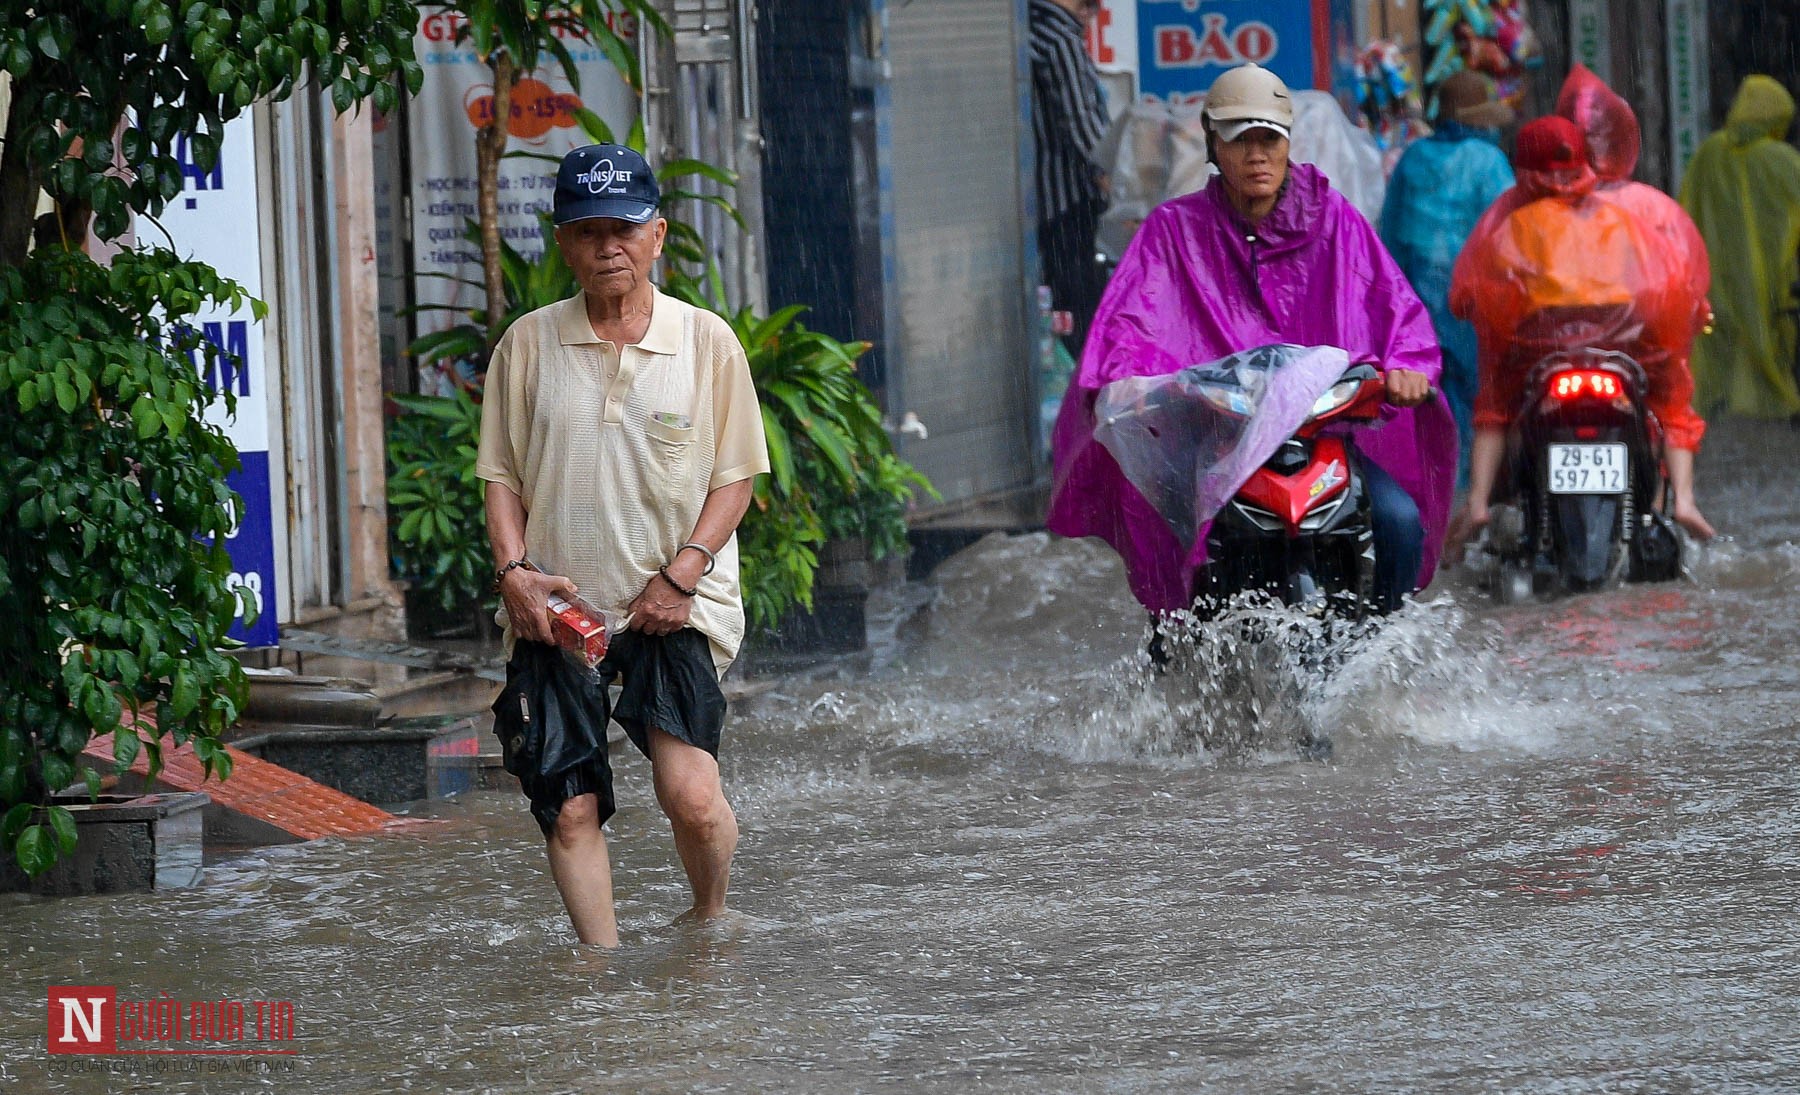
(1513, 585)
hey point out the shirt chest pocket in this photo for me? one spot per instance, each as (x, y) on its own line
(669, 439)
(670, 455)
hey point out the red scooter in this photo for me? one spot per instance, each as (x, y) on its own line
(1300, 527)
(1583, 507)
(1252, 450)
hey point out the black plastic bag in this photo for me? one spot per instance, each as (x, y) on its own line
(551, 716)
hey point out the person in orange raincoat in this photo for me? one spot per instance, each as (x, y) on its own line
(1609, 129)
(1559, 262)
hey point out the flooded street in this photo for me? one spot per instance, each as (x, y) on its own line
(1555, 848)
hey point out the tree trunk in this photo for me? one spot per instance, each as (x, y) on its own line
(18, 187)
(490, 145)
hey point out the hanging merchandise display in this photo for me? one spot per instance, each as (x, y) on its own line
(1493, 37)
(1387, 95)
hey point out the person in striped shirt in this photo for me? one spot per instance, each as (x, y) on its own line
(1069, 121)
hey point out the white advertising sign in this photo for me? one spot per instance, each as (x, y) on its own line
(214, 220)
(457, 96)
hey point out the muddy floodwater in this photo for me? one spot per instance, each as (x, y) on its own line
(1556, 847)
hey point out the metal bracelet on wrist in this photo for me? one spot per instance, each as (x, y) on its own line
(711, 559)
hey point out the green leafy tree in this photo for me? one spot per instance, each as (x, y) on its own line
(107, 477)
(161, 75)
(113, 498)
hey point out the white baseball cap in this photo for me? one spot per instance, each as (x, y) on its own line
(1248, 97)
(1231, 131)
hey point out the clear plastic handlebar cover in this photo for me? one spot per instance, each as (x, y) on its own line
(1188, 440)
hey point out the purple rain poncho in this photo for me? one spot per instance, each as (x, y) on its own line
(1198, 284)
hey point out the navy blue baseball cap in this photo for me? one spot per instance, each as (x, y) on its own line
(605, 180)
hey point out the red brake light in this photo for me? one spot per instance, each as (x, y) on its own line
(1574, 385)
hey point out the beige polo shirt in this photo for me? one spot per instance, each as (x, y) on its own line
(614, 450)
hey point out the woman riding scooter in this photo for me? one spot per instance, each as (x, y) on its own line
(1267, 253)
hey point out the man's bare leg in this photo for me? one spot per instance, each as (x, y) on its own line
(706, 831)
(583, 872)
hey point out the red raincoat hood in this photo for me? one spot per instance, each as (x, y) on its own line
(1573, 183)
(1606, 121)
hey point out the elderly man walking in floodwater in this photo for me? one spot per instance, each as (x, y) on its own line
(620, 435)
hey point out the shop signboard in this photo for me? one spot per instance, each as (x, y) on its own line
(458, 96)
(215, 220)
(1113, 37)
(1184, 44)
(1589, 40)
(1689, 101)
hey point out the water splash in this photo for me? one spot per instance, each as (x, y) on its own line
(1263, 681)
(1033, 642)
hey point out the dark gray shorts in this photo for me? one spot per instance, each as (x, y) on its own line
(667, 683)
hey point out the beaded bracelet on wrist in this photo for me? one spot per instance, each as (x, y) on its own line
(500, 575)
(678, 587)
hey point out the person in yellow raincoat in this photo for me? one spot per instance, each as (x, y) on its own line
(1743, 191)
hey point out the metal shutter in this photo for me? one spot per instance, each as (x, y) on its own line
(959, 297)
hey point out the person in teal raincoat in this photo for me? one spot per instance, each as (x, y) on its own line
(1437, 193)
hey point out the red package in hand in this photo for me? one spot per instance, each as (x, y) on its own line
(580, 628)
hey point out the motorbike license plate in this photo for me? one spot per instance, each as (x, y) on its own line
(1589, 469)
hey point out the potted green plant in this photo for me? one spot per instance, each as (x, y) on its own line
(868, 524)
(437, 529)
(837, 492)
(862, 526)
